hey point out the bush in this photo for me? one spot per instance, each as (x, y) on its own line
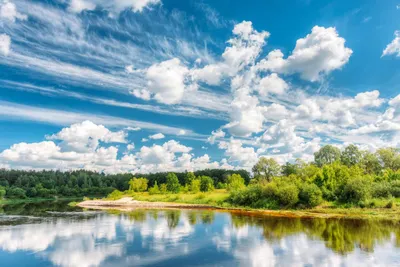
(2, 192)
(155, 189)
(288, 195)
(116, 194)
(310, 195)
(381, 190)
(356, 190)
(395, 188)
(195, 186)
(206, 184)
(390, 204)
(247, 197)
(163, 189)
(235, 182)
(138, 184)
(173, 184)
(16, 192)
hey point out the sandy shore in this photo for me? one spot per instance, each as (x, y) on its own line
(127, 203)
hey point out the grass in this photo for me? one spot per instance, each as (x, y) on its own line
(215, 198)
(34, 200)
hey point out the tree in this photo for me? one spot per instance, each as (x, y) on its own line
(138, 185)
(370, 163)
(235, 182)
(189, 178)
(389, 157)
(2, 192)
(173, 184)
(351, 156)
(195, 186)
(266, 169)
(155, 189)
(327, 155)
(206, 184)
(289, 168)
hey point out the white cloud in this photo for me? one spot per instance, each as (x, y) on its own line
(157, 136)
(272, 84)
(215, 135)
(8, 11)
(116, 6)
(5, 43)
(245, 157)
(394, 47)
(130, 147)
(318, 54)
(395, 102)
(167, 81)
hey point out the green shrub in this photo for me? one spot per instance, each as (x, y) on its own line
(138, 184)
(155, 189)
(235, 182)
(2, 192)
(247, 196)
(163, 189)
(16, 192)
(310, 195)
(288, 195)
(173, 184)
(381, 190)
(195, 186)
(395, 188)
(390, 204)
(116, 194)
(356, 190)
(206, 184)
(221, 185)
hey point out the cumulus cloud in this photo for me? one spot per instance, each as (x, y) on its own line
(167, 81)
(215, 135)
(86, 136)
(237, 154)
(395, 102)
(5, 43)
(117, 6)
(315, 55)
(157, 136)
(394, 47)
(272, 84)
(8, 11)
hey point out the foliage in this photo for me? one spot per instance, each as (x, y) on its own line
(189, 178)
(356, 190)
(235, 182)
(310, 195)
(287, 194)
(206, 184)
(15, 192)
(195, 186)
(2, 192)
(154, 189)
(163, 188)
(351, 156)
(115, 195)
(266, 169)
(327, 155)
(138, 185)
(172, 183)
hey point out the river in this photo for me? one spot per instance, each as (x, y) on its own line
(54, 234)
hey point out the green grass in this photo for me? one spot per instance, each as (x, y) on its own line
(215, 198)
(33, 200)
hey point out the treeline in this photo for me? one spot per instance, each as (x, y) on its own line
(349, 177)
(48, 184)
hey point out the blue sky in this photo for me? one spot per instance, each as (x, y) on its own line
(160, 85)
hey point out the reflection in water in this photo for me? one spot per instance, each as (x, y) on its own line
(188, 237)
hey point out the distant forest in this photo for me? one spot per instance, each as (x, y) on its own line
(48, 184)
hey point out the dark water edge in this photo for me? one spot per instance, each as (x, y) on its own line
(55, 234)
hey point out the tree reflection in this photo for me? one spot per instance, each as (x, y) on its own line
(340, 235)
(173, 217)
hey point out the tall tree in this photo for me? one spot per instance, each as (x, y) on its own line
(351, 156)
(266, 168)
(327, 155)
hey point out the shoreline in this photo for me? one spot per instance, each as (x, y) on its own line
(128, 204)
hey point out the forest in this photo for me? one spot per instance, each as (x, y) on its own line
(347, 177)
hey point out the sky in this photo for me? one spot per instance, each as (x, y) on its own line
(168, 85)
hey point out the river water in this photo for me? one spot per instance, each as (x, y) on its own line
(53, 234)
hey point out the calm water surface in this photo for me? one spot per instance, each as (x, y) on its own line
(53, 234)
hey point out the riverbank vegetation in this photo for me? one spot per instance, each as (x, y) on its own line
(335, 179)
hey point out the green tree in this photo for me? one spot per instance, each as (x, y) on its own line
(155, 189)
(173, 184)
(206, 184)
(235, 182)
(138, 184)
(189, 178)
(2, 192)
(266, 168)
(327, 155)
(195, 186)
(370, 163)
(289, 168)
(310, 195)
(351, 156)
(389, 157)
